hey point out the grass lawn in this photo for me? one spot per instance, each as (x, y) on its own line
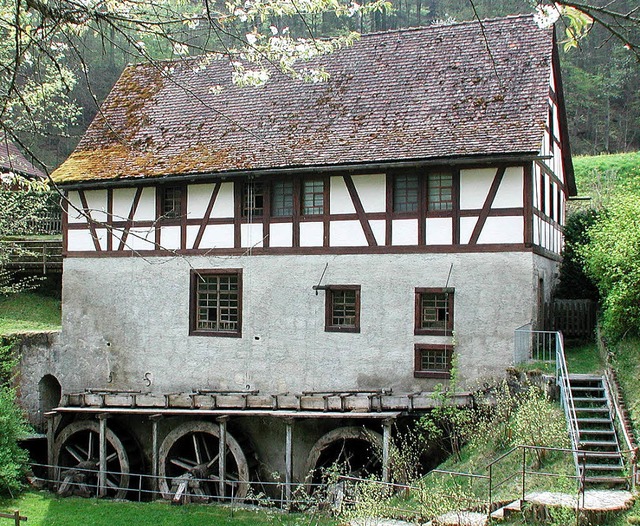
(29, 311)
(44, 509)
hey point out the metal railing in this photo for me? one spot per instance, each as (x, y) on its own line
(548, 346)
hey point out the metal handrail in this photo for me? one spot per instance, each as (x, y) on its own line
(566, 398)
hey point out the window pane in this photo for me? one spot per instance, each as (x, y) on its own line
(172, 202)
(252, 200)
(440, 191)
(282, 199)
(435, 359)
(405, 193)
(313, 197)
(218, 303)
(344, 308)
(434, 311)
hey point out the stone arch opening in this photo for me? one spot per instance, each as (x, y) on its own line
(49, 394)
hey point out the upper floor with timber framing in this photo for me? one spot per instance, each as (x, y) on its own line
(420, 141)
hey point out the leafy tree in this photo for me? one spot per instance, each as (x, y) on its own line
(13, 459)
(612, 260)
(574, 283)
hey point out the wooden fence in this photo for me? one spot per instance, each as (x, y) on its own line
(15, 516)
(34, 256)
(575, 318)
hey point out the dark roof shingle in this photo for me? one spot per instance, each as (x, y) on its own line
(410, 94)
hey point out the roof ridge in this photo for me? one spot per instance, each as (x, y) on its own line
(434, 26)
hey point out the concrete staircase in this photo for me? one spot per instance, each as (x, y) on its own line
(599, 460)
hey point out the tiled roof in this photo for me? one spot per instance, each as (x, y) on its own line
(12, 160)
(439, 91)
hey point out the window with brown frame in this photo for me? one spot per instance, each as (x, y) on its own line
(406, 190)
(282, 199)
(434, 311)
(171, 202)
(440, 191)
(216, 302)
(252, 199)
(313, 197)
(432, 361)
(342, 308)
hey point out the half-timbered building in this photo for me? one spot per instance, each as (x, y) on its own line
(324, 252)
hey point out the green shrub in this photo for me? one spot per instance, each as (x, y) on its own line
(13, 459)
(612, 259)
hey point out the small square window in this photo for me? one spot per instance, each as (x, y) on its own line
(313, 197)
(434, 311)
(216, 302)
(440, 191)
(171, 202)
(342, 308)
(432, 361)
(405, 193)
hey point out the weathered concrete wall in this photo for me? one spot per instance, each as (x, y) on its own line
(127, 319)
(39, 356)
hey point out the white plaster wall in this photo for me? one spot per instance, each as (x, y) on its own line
(510, 192)
(198, 196)
(130, 317)
(339, 197)
(347, 234)
(404, 232)
(146, 210)
(311, 234)
(251, 235)
(372, 191)
(281, 235)
(439, 231)
(122, 201)
(379, 229)
(170, 237)
(216, 236)
(81, 240)
(467, 224)
(75, 209)
(141, 239)
(502, 230)
(97, 204)
(474, 187)
(223, 206)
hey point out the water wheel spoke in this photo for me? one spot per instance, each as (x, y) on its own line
(112, 484)
(182, 463)
(207, 452)
(196, 448)
(75, 454)
(90, 446)
(212, 461)
(113, 456)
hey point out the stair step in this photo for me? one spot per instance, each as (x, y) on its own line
(597, 432)
(506, 511)
(589, 399)
(592, 409)
(587, 420)
(603, 467)
(606, 480)
(598, 443)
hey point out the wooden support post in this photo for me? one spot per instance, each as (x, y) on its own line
(386, 444)
(288, 476)
(102, 474)
(51, 429)
(222, 456)
(155, 483)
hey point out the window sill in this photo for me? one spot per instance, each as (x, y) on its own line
(432, 332)
(222, 334)
(335, 328)
(432, 374)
